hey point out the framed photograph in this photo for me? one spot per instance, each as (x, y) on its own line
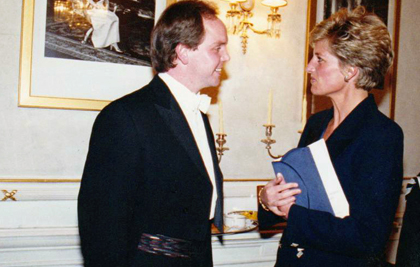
(82, 54)
(389, 11)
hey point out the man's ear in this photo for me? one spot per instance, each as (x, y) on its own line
(182, 53)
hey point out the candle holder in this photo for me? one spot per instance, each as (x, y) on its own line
(221, 140)
(268, 141)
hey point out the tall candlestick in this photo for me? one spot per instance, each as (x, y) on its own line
(221, 128)
(270, 106)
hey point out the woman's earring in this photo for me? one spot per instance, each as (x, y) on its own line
(346, 79)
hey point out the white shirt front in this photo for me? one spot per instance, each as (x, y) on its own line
(189, 103)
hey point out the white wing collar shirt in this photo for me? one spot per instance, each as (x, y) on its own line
(191, 104)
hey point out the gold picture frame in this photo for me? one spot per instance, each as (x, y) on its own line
(27, 97)
(390, 79)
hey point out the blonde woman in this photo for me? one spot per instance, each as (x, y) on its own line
(352, 53)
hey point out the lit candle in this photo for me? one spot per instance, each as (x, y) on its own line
(221, 129)
(270, 106)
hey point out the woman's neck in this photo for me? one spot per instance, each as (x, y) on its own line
(343, 105)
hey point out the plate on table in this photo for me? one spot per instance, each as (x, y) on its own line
(249, 214)
(251, 223)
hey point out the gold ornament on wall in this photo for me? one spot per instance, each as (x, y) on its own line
(9, 195)
(240, 13)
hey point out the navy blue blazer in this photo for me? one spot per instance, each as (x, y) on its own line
(144, 174)
(367, 153)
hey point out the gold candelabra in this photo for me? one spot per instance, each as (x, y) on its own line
(238, 20)
(221, 141)
(268, 141)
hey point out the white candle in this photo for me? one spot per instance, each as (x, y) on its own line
(221, 129)
(270, 106)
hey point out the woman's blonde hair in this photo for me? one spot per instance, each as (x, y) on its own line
(359, 39)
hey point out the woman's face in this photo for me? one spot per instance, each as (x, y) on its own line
(327, 77)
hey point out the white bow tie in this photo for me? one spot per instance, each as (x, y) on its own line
(203, 103)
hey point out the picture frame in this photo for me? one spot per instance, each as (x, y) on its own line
(70, 84)
(312, 104)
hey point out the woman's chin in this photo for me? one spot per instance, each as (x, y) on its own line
(314, 91)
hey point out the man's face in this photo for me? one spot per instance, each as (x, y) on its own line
(206, 61)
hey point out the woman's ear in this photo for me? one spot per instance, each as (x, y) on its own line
(350, 72)
(182, 53)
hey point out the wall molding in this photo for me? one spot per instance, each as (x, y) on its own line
(65, 180)
(39, 237)
(68, 189)
(54, 246)
(38, 180)
(33, 191)
(60, 246)
(71, 180)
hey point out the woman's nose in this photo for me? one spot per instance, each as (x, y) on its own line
(310, 66)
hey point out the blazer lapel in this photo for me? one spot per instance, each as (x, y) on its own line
(173, 116)
(350, 128)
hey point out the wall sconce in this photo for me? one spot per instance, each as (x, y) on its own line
(238, 20)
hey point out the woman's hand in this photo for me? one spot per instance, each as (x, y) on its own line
(279, 196)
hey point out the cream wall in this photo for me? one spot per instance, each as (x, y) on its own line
(35, 143)
(275, 64)
(48, 143)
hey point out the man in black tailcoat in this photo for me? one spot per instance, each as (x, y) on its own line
(152, 187)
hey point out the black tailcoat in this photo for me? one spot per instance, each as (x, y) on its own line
(144, 174)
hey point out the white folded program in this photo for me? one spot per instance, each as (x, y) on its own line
(329, 178)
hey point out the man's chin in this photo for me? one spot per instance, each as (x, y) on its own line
(215, 83)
